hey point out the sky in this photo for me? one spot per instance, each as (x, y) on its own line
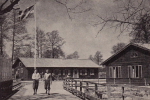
(79, 33)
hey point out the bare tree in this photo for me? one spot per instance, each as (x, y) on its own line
(41, 40)
(98, 57)
(117, 47)
(141, 31)
(73, 56)
(78, 8)
(14, 30)
(54, 41)
(23, 51)
(58, 52)
(130, 15)
(91, 57)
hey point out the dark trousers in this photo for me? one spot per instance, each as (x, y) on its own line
(35, 84)
(47, 84)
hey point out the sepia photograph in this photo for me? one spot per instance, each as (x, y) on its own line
(74, 49)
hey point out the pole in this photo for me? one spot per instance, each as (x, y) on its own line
(2, 39)
(98, 74)
(35, 49)
(13, 36)
(30, 51)
(123, 93)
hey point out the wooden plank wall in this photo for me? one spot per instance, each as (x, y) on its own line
(5, 69)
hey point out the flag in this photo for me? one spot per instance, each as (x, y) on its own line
(26, 13)
(16, 7)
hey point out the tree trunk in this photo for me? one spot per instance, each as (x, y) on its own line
(41, 51)
(53, 56)
(146, 36)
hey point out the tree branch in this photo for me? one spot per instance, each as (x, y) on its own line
(9, 7)
(73, 9)
(3, 4)
(65, 5)
(129, 14)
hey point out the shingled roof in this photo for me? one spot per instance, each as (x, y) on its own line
(47, 62)
(139, 45)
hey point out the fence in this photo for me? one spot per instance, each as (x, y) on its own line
(95, 91)
(133, 81)
(6, 82)
(5, 69)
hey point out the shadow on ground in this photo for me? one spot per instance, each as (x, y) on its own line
(52, 96)
(18, 92)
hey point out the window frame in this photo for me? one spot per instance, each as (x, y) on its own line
(113, 72)
(66, 72)
(69, 73)
(84, 71)
(57, 72)
(132, 54)
(80, 71)
(20, 64)
(92, 72)
(134, 74)
(76, 71)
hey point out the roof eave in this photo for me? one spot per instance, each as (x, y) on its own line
(104, 63)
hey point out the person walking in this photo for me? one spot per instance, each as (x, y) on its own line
(48, 80)
(35, 77)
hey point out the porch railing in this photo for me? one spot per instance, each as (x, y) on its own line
(96, 91)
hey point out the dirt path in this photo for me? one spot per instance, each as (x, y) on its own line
(57, 93)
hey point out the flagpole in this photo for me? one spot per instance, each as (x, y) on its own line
(35, 48)
(14, 28)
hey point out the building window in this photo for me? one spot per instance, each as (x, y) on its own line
(91, 71)
(20, 64)
(80, 72)
(84, 72)
(115, 72)
(134, 54)
(75, 71)
(21, 71)
(69, 72)
(57, 72)
(66, 72)
(135, 71)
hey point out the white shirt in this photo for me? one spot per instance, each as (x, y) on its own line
(36, 76)
(47, 76)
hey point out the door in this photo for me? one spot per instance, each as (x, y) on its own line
(75, 73)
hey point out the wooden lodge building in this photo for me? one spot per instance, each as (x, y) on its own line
(131, 65)
(75, 68)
